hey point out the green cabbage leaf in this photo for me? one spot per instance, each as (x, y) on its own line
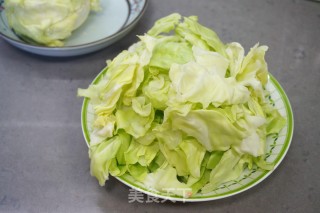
(180, 111)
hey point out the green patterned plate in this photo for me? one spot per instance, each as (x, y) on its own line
(277, 147)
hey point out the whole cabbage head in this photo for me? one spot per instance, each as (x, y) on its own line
(47, 22)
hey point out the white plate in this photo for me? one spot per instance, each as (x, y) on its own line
(277, 147)
(101, 29)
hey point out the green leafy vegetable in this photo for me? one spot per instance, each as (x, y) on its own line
(181, 111)
(47, 22)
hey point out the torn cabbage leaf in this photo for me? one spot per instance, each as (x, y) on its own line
(180, 111)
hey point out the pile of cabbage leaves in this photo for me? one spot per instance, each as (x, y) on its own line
(181, 110)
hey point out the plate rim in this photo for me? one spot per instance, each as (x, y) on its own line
(124, 28)
(245, 187)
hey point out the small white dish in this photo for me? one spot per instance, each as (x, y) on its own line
(100, 30)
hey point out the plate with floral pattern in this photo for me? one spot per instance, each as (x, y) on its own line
(277, 147)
